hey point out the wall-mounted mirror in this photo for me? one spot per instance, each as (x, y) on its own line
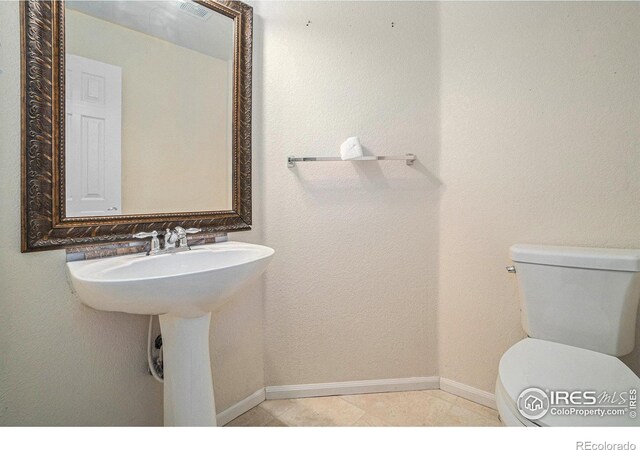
(137, 116)
(142, 137)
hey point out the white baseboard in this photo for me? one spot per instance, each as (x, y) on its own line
(470, 393)
(241, 407)
(351, 387)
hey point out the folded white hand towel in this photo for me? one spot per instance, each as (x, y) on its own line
(351, 148)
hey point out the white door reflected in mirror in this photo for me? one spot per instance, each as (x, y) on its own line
(149, 108)
(93, 137)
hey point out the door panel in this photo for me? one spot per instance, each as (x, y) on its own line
(93, 138)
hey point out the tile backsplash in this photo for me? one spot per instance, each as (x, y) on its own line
(125, 248)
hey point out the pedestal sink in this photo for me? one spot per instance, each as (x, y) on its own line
(183, 289)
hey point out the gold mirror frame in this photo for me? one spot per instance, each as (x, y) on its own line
(44, 224)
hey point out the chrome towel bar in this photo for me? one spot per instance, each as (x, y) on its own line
(292, 160)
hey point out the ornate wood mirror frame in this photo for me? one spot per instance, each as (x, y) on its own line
(44, 223)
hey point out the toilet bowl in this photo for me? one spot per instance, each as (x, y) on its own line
(579, 308)
(551, 366)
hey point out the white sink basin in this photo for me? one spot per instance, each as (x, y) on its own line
(183, 289)
(187, 284)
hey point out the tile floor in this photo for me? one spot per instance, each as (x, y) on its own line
(413, 408)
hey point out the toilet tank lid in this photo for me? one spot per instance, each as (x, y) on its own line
(627, 260)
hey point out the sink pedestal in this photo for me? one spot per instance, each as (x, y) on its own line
(188, 387)
(184, 288)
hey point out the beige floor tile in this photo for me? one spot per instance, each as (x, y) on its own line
(441, 395)
(465, 417)
(415, 408)
(477, 408)
(276, 423)
(255, 417)
(321, 411)
(369, 421)
(277, 407)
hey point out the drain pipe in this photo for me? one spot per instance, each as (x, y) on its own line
(155, 364)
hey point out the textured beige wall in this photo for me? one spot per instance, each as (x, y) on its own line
(62, 363)
(536, 107)
(351, 292)
(540, 144)
(174, 122)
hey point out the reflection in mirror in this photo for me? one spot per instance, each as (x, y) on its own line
(149, 108)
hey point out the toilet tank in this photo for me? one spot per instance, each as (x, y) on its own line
(585, 297)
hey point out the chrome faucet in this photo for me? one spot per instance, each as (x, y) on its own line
(179, 235)
(170, 239)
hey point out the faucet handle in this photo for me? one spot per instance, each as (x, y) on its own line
(182, 234)
(144, 235)
(155, 242)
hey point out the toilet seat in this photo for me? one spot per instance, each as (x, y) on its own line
(552, 366)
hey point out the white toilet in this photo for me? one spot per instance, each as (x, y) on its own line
(579, 309)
